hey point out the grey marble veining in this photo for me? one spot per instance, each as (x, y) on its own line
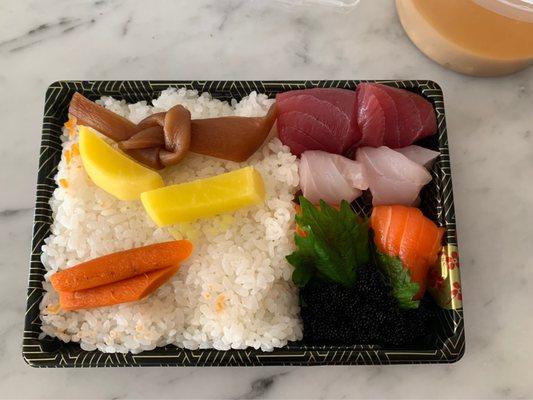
(491, 139)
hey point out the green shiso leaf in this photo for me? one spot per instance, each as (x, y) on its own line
(403, 288)
(335, 244)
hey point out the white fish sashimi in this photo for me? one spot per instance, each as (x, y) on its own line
(330, 177)
(419, 155)
(392, 177)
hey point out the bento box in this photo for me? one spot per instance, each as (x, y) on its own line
(446, 345)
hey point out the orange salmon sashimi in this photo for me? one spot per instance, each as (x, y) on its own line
(406, 233)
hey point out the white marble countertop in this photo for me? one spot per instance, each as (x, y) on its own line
(491, 139)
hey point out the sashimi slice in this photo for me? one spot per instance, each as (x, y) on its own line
(395, 231)
(429, 245)
(380, 220)
(352, 171)
(406, 116)
(419, 155)
(411, 236)
(392, 177)
(424, 256)
(409, 120)
(416, 115)
(327, 113)
(392, 191)
(331, 120)
(303, 132)
(390, 112)
(373, 125)
(343, 99)
(330, 177)
(427, 116)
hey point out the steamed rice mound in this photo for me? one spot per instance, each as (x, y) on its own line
(234, 292)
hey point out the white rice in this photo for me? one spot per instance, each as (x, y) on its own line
(234, 292)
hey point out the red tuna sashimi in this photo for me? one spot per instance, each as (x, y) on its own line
(427, 115)
(301, 131)
(325, 112)
(318, 119)
(374, 118)
(392, 117)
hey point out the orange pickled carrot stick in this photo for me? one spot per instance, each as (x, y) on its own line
(121, 265)
(124, 291)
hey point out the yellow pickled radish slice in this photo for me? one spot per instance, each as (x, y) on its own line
(112, 170)
(204, 198)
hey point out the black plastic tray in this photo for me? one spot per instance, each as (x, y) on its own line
(447, 347)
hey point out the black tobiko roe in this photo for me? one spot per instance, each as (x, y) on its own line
(364, 314)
